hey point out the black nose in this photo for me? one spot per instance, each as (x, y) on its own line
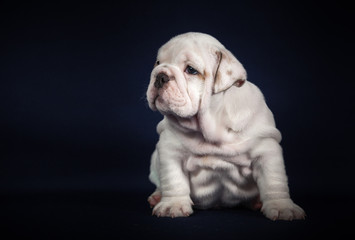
(160, 79)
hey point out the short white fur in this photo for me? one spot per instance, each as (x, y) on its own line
(218, 144)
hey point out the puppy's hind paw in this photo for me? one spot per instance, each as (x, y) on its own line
(154, 198)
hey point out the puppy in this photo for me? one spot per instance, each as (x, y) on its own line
(218, 143)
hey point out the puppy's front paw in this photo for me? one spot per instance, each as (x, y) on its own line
(173, 207)
(282, 209)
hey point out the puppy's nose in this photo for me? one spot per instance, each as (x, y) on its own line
(160, 80)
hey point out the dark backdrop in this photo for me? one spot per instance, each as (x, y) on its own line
(77, 134)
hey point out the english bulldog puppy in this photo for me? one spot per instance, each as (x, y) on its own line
(218, 143)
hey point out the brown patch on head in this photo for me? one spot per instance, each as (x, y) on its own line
(206, 74)
(203, 75)
(229, 72)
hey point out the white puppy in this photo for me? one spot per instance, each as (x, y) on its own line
(218, 142)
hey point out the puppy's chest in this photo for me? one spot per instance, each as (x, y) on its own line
(239, 163)
(228, 158)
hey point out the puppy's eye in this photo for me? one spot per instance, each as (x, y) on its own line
(157, 63)
(191, 70)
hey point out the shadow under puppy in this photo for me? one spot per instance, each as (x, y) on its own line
(218, 143)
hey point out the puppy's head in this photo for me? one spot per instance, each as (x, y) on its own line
(190, 67)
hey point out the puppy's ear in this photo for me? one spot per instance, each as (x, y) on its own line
(229, 72)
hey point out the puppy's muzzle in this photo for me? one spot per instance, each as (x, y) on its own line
(160, 80)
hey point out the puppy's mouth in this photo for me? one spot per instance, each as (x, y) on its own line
(169, 98)
(159, 93)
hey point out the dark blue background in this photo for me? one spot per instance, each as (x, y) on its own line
(77, 134)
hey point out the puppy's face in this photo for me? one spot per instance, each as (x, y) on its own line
(184, 66)
(177, 80)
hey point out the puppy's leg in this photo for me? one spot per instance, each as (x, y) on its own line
(269, 173)
(174, 185)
